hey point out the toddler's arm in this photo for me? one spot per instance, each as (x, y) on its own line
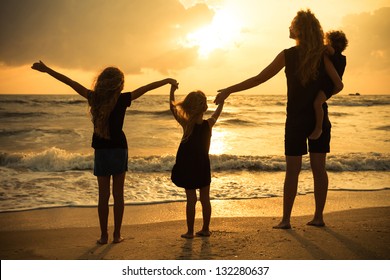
(334, 76)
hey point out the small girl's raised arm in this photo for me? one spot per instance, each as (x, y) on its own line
(172, 100)
(216, 114)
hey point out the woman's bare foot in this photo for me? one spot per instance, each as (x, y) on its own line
(283, 225)
(203, 233)
(315, 134)
(316, 223)
(188, 235)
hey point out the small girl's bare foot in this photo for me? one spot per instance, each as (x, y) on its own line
(315, 223)
(118, 239)
(203, 233)
(282, 225)
(187, 235)
(315, 134)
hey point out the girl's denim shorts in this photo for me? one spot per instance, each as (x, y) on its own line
(110, 162)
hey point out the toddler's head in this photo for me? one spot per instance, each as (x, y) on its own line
(337, 40)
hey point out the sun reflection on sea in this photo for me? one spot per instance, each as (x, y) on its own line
(218, 143)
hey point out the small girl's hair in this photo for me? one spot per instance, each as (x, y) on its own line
(337, 40)
(106, 90)
(189, 110)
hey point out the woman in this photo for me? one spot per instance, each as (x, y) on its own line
(108, 108)
(305, 68)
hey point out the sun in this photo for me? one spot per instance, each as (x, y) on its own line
(222, 33)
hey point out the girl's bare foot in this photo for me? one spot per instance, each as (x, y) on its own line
(315, 134)
(203, 233)
(103, 240)
(188, 235)
(283, 225)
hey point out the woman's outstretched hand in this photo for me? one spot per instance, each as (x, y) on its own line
(221, 96)
(40, 66)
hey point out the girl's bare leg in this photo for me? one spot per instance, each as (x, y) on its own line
(103, 209)
(119, 205)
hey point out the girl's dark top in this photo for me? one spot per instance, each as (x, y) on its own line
(192, 167)
(117, 136)
(300, 111)
(339, 62)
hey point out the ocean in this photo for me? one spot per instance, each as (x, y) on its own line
(46, 159)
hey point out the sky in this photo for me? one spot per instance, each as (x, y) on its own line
(204, 44)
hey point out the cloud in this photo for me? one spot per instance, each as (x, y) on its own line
(91, 34)
(369, 40)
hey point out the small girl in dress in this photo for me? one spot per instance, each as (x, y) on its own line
(192, 168)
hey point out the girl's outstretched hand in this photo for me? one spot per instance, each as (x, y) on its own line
(40, 66)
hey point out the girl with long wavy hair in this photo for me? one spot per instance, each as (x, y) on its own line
(108, 108)
(306, 65)
(192, 167)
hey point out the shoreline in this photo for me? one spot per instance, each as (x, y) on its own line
(358, 227)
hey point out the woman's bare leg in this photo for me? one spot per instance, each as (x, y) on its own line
(293, 168)
(318, 166)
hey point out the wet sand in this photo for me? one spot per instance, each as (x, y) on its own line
(357, 228)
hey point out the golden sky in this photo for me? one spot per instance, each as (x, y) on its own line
(205, 45)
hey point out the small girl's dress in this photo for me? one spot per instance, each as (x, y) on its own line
(192, 167)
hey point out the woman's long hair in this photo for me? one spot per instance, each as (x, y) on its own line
(189, 110)
(310, 44)
(106, 91)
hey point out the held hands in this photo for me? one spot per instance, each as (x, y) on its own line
(221, 96)
(174, 84)
(40, 66)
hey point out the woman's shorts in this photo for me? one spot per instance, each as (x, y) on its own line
(110, 162)
(295, 142)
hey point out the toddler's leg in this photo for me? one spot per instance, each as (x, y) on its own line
(319, 114)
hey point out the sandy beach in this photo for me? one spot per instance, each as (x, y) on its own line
(358, 228)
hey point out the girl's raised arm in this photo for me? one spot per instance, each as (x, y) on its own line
(144, 89)
(41, 67)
